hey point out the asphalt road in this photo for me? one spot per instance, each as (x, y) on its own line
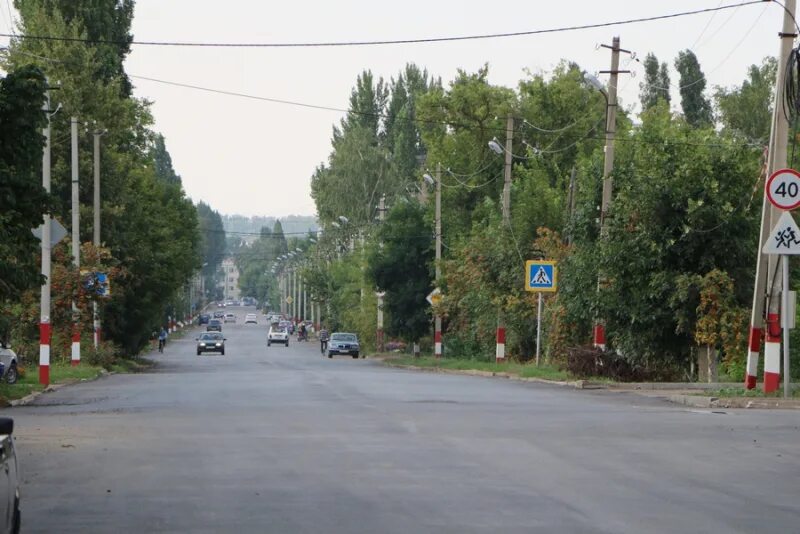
(284, 440)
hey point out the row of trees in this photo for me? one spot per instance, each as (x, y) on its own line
(151, 232)
(678, 258)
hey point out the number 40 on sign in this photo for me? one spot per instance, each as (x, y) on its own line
(783, 189)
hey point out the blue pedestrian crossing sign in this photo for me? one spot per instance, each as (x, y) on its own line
(541, 276)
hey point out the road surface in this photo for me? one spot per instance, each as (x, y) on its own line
(284, 440)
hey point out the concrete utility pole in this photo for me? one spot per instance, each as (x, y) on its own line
(96, 227)
(767, 285)
(44, 310)
(76, 242)
(608, 167)
(437, 320)
(500, 350)
(379, 345)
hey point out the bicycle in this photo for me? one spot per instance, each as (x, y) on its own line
(323, 344)
(161, 343)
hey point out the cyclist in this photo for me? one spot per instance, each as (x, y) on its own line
(323, 340)
(162, 339)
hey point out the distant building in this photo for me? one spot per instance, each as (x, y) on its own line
(230, 280)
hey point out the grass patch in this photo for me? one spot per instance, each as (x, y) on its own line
(741, 392)
(520, 369)
(59, 374)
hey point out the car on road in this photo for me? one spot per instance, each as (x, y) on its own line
(250, 318)
(277, 334)
(214, 325)
(8, 365)
(230, 318)
(219, 314)
(203, 319)
(211, 342)
(10, 517)
(343, 343)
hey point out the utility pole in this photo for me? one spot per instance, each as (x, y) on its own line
(608, 167)
(44, 310)
(96, 227)
(571, 202)
(767, 285)
(379, 345)
(437, 320)
(500, 350)
(76, 242)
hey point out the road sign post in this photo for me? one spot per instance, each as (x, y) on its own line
(784, 240)
(541, 276)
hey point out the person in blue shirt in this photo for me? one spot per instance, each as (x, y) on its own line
(162, 339)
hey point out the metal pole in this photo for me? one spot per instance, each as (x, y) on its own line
(379, 344)
(44, 310)
(96, 229)
(76, 242)
(500, 347)
(437, 326)
(538, 329)
(786, 321)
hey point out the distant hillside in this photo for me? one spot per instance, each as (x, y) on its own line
(293, 225)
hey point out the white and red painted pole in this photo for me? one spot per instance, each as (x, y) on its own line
(500, 351)
(76, 242)
(44, 311)
(437, 339)
(437, 322)
(754, 349)
(772, 354)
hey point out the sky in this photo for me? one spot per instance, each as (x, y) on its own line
(251, 157)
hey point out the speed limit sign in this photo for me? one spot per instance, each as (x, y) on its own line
(783, 189)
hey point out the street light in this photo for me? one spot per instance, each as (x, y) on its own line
(496, 147)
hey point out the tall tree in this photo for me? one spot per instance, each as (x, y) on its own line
(163, 161)
(748, 108)
(22, 197)
(656, 82)
(696, 107)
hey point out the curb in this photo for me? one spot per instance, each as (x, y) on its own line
(697, 401)
(27, 399)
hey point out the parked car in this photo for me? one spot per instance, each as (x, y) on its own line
(211, 342)
(250, 318)
(10, 517)
(203, 319)
(277, 334)
(8, 365)
(343, 343)
(230, 318)
(214, 325)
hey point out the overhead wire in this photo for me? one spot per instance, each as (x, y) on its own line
(328, 44)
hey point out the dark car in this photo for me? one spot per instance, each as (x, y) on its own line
(219, 314)
(214, 325)
(343, 343)
(204, 318)
(211, 342)
(9, 484)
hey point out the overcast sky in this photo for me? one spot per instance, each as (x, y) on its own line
(256, 158)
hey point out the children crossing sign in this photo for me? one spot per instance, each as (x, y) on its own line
(541, 275)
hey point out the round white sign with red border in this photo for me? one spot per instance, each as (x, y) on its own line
(783, 189)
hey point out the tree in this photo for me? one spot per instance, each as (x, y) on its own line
(696, 107)
(748, 108)
(163, 161)
(23, 199)
(656, 82)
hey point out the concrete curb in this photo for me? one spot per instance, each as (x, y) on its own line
(27, 399)
(645, 389)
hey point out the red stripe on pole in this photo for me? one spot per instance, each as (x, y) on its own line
(755, 339)
(44, 375)
(750, 382)
(771, 382)
(501, 334)
(773, 328)
(437, 336)
(44, 333)
(599, 335)
(76, 334)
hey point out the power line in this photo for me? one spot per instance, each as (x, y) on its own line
(330, 44)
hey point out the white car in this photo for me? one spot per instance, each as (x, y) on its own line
(230, 318)
(277, 334)
(8, 365)
(250, 318)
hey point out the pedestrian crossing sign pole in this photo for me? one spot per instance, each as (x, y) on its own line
(541, 276)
